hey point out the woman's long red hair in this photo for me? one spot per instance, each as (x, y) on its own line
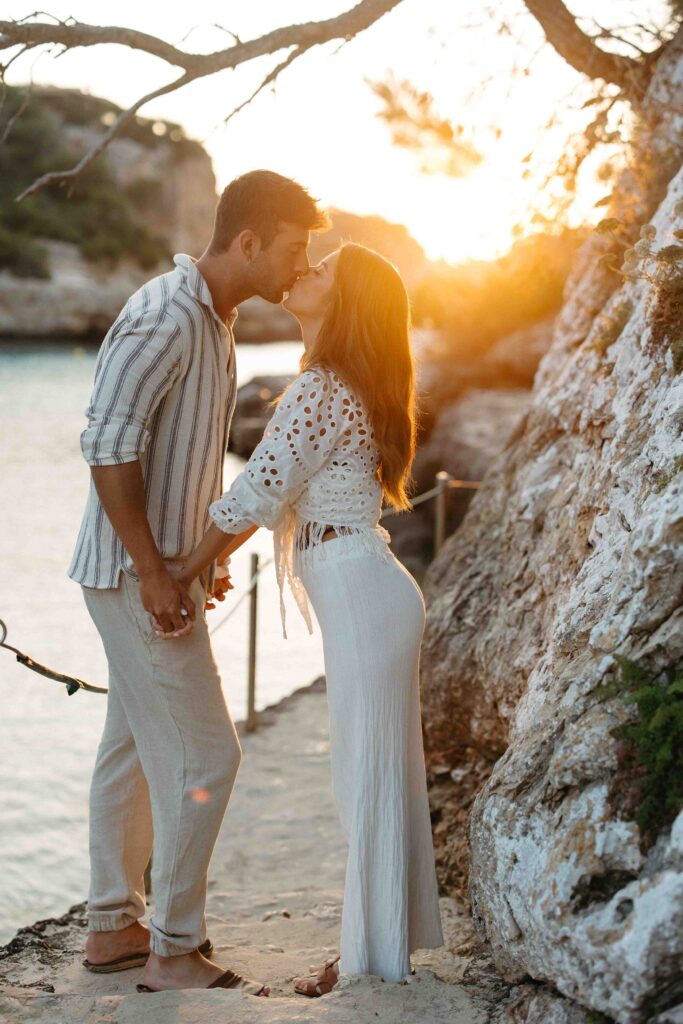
(365, 340)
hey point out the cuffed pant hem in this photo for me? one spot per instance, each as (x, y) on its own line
(104, 921)
(167, 947)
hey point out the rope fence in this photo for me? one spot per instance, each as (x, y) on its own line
(444, 483)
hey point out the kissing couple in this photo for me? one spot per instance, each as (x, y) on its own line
(157, 525)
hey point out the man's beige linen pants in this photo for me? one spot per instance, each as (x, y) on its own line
(165, 769)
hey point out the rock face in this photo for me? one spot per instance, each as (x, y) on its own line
(571, 555)
(444, 374)
(469, 433)
(184, 186)
(80, 299)
(176, 197)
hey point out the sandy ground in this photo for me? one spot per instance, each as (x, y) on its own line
(274, 908)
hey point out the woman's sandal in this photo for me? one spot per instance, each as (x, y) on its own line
(125, 963)
(227, 980)
(321, 980)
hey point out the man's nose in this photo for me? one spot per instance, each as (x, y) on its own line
(302, 265)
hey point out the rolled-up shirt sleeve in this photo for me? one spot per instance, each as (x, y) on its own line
(296, 444)
(136, 369)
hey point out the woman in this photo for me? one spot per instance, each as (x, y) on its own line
(342, 438)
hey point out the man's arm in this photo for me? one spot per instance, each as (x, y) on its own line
(121, 490)
(133, 375)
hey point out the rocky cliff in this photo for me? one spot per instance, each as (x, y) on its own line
(568, 562)
(152, 194)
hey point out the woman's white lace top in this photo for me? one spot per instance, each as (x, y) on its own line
(316, 466)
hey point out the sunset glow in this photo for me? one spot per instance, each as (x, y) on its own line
(320, 125)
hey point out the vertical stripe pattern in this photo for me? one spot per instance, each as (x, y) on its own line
(164, 394)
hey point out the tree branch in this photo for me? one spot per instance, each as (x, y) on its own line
(58, 177)
(16, 115)
(270, 77)
(307, 34)
(72, 34)
(581, 52)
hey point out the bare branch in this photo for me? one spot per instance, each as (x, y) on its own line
(16, 115)
(606, 33)
(581, 52)
(58, 177)
(75, 34)
(307, 34)
(227, 31)
(71, 34)
(270, 77)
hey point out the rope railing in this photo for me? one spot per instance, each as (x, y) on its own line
(444, 483)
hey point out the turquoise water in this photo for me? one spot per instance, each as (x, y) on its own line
(47, 739)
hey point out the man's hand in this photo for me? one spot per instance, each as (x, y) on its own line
(166, 598)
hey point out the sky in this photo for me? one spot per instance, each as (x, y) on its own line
(319, 123)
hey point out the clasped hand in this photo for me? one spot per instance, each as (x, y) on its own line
(221, 585)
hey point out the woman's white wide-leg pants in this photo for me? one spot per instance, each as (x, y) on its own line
(371, 614)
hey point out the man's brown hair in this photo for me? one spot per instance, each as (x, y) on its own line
(259, 201)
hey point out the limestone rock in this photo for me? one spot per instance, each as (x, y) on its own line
(79, 299)
(571, 554)
(516, 356)
(469, 433)
(445, 373)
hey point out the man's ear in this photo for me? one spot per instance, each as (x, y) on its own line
(249, 245)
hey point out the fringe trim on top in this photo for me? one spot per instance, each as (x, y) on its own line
(298, 544)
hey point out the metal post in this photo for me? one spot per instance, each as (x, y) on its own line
(443, 480)
(251, 668)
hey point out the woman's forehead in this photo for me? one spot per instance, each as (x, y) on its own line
(331, 260)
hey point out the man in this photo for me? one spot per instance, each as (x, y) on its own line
(159, 418)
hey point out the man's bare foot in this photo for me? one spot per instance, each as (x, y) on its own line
(101, 947)
(191, 970)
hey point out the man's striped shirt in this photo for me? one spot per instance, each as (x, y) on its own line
(164, 394)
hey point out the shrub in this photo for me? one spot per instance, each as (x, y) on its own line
(648, 783)
(23, 257)
(667, 313)
(662, 268)
(93, 212)
(611, 326)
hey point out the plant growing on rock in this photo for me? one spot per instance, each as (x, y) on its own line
(663, 269)
(664, 478)
(648, 784)
(611, 326)
(620, 239)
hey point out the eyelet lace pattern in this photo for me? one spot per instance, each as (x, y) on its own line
(316, 466)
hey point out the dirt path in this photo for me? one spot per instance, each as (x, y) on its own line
(273, 908)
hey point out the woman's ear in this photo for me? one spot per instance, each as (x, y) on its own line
(249, 245)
